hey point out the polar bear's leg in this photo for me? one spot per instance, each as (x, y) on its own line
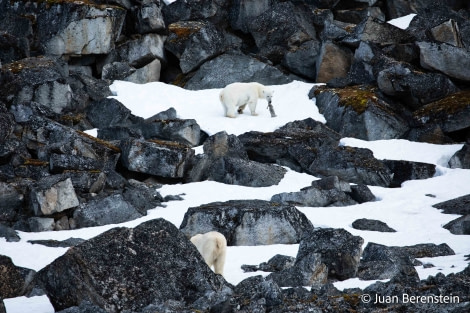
(252, 106)
(230, 111)
(241, 108)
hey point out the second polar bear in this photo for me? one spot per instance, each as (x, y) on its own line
(213, 247)
(236, 96)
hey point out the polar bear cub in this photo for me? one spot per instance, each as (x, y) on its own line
(236, 96)
(213, 247)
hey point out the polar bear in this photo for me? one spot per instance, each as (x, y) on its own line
(238, 95)
(213, 247)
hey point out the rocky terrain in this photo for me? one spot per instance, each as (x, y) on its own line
(58, 59)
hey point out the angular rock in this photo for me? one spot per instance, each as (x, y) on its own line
(338, 249)
(448, 59)
(230, 68)
(193, 43)
(318, 195)
(39, 224)
(243, 12)
(38, 79)
(113, 209)
(358, 112)
(14, 279)
(142, 196)
(414, 87)
(461, 159)
(9, 234)
(374, 31)
(184, 131)
(148, 17)
(70, 242)
(117, 71)
(129, 269)
(302, 60)
(247, 222)
(256, 290)
(146, 74)
(448, 32)
(277, 263)
(451, 113)
(222, 144)
(460, 205)
(306, 271)
(11, 202)
(213, 11)
(51, 195)
(85, 89)
(408, 170)
(84, 307)
(156, 157)
(141, 51)
(361, 193)
(459, 226)
(372, 225)
(333, 62)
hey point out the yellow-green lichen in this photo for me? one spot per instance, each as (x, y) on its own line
(100, 141)
(356, 97)
(449, 105)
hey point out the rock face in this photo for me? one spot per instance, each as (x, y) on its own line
(461, 159)
(407, 170)
(247, 222)
(14, 279)
(130, 269)
(372, 225)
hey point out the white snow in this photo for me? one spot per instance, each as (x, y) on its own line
(402, 22)
(407, 209)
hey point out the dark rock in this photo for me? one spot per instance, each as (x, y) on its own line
(148, 17)
(339, 250)
(184, 131)
(128, 269)
(84, 307)
(408, 170)
(6, 123)
(107, 112)
(243, 12)
(358, 112)
(117, 70)
(374, 31)
(11, 202)
(14, 279)
(257, 290)
(119, 133)
(230, 68)
(194, 42)
(460, 205)
(141, 51)
(169, 114)
(247, 222)
(70, 242)
(459, 226)
(319, 195)
(461, 159)
(222, 144)
(277, 263)
(361, 193)
(302, 60)
(450, 113)
(213, 11)
(113, 209)
(281, 28)
(9, 234)
(357, 15)
(86, 89)
(39, 224)
(52, 194)
(306, 271)
(38, 79)
(448, 59)
(372, 225)
(414, 87)
(156, 157)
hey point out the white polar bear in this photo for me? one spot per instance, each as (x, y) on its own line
(213, 247)
(238, 95)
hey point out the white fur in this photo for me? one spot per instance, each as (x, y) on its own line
(237, 95)
(213, 247)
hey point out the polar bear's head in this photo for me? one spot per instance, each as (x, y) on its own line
(268, 94)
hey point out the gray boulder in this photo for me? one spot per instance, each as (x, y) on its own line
(11, 202)
(193, 43)
(9, 234)
(229, 68)
(358, 112)
(338, 250)
(14, 279)
(459, 226)
(372, 225)
(117, 70)
(247, 222)
(51, 195)
(461, 159)
(460, 205)
(129, 269)
(451, 113)
(243, 12)
(333, 62)
(183, 131)
(113, 209)
(141, 51)
(375, 31)
(39, 224)
(414, 87)
(146, 74)
(302, 60)
(256, 294)
(408, 170)
(361, 193)
(330, 191)
(156, 157)
(448, 59)
(148, 17)
(37, 79)
(277, 263)
(214, 11)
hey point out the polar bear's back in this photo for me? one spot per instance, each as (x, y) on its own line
(234, 90)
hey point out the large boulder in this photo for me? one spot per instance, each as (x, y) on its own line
(372, 225)
(243, 12)
(14, 279)
(409, 170)
(460, 205)
(338, 250)
(156, 157)
(127, 269)
(247, 222)
(230, 68)
(461, 158)
(52, 194)
(358, 112)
